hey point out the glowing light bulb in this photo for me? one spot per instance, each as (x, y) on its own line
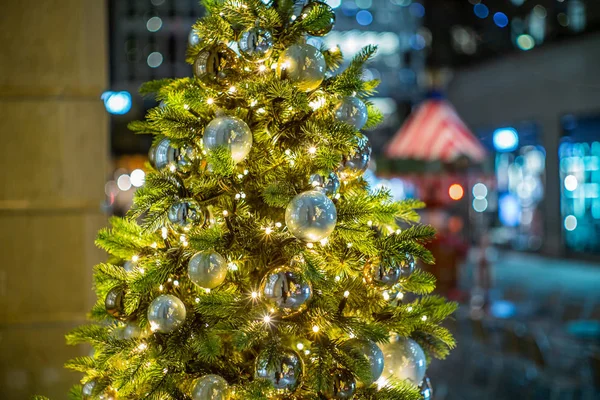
(135, 258)
(254, 295)
(300, 346)
(268, 230)
(210, 101)
(316, 329)
(267, 319)
(346, 294)
(386, 295)
(424, 318)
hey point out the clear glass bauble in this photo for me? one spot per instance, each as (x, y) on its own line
(311, 216)
(407, 266)
(304, 65)
(404, 360)
(355, 164)
(352, 111)
(229, 132)
(373, 354)
(87, 390)
(115, 302)
(163, 155)
(186, 213)
(384, 272)
(128, 266)
(286, 290)
(328, 183)
(322, 30)
(207, 269)
(216, 63)
(426, 389)
(343, 386)
(166, 313)
(132, 330)
(193, 38)
(256, 44)
(211, 387)
(284, 370)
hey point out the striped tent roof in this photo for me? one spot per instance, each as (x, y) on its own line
(434, 132)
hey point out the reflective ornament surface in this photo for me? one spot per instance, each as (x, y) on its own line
(352, 111)
(132, 330)
(256, 44)
(284, 371)
(426, 389)
(385, 272)
(311, 216)
(373, 353)
(163, 155)
(193, 38)
(115, 302)
(166, 313)
(207, 269)
(128, 266)
(408, 266)
(404, 359)
(355, 164)
(87, 390)
(319, 29)
(230, 132)
(211, 387)
(304, 65)
(286, 290)
(216, 63)
(328, 184)
(186, 213)
(344, 386)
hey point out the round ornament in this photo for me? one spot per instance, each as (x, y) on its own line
(404, 359)
(211, 387)
(193, 38)
(256, 44)
(322, 29)
(386, 272)
(87, 390)
(343, 387)
(327, 183)
(216, 63)
(186, 213)
(166, 313)
(230, 132)
(132, 330)
(352, 111)
(163, 155)
(304, 65)
(284, 372)
(426, 389)
(128, 266)
(311, 216)
(286, 289)
(408, 266)
(354, 165)
(373, 353)
(115, 302)
(207, 269)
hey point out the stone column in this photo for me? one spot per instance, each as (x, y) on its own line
(53, 156)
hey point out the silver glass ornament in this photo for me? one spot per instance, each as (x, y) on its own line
(128, 266)
(211, 387)
(193, 38)
(115, 302)
(87, 390)
(355, 164)
(384, 272)
(186, 213)
(325, 8)
(407, 267)
(284, 370)
(166, 313)
(286, 290)
(304, 65)
(216, 63)
(343, 385)
(328, 183)
(186, 156)
(404, 360)
(352, 111)
(207, 269)
(230, 132)
(373, 353)
(426, 389)
(256, 44)
(163, 155)
(311, 216)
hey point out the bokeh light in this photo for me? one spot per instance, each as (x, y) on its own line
(525, 42)
(480, 190)
(505, 139)
(417, 10)
(124, 182)
(154, 24)
(154, 59)
(481, 10)
(137, 177)
(480, 205)
(364, 17)
(570, 182)
(118, 103)
(456, 191)
(570, 223)
(334, 3)
(500, 19)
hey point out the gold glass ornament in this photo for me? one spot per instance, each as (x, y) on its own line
(230, 132)
(216, 63)
(373, 354)
(326, 9)
(115, 302)
(207, 269)
(327, 183)
(302, 64)
(311, 216)
(186, 213)
(404, 359)
(352, 111)
(355, 164)
(384, 272)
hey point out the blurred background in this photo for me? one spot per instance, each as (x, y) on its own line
(492, 118)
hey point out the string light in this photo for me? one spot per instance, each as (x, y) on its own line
(346, 294)
(172, 168)
(164, 232)
(300, 346)
(253, 103)
(260, 110)
(232, 89)
(399, 296)
(268, 230)
(316, 329)
(186, 107)
(135, 258)
(386, 295)
(409, 309)
(197, 299)
(207, 291)
(424, 318)
(369, 223)
(176, 282)
(225, 213)
(278, 224)
(310, 245)
(232, 266)
(267, 319)
(142, 270)
(142, 346)
(348, 245)
(337, 278)
(262, 68)
(324, 241)
(154, 245)
(161, 287)
(312, 150)
(254, 295)
(351, 335)
(210, 101)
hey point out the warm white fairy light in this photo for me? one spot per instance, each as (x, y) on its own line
(197, 299)
(142, 270)
(424, 318)
(386, 295)
(348, 245)
(176, 282)
(254, 295)
(253, 102)
(225, 213)
(232, 266)
(154, 245)
(182, 238)
(135, 258)
(161, 287)
(268, 230)
(260, 110)
(240, 176)
(267, 319)
(312, 150)
(172, 168)
(288, 152)
(186, 107)
(369, 223)
(237, 196)
(324, 241)
(246, 172)
(310, 245)
(346, 294)
(398, 231)
(300, 346)
(337, 278)
(210, 101)
(409, 309)
(351, 335)
(206, 290)
(399, 296)
(170, 280)
(316, 329)
(232, 89)
(262, 68)
(334, 49)
(142, 346)
(337, 196)
(306, 352)
(278, 224)
(317, 103)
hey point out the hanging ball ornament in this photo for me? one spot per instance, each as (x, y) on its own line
(385, 272)
(132, 330)
(87, 390)
(302, 64)
(283, 370)
(211, 387)
(343, 385)
(256, 44)
(207, 269)
(166, 313)
(323, 25)
(186, 213)
(354, 165)
(352, 111)
(373, 354)
(193, 38)
(163, 155)
(404, 359)
(327, 183)
(115, 302)
(287, 290)
(216, 63)
(230, 132)
(408, 266)
(426, 389)
(128, 266)
(311, 216)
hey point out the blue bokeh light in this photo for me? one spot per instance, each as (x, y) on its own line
(417, 10)
(481, 10)
(505, 139)
(417, 42)
(118, 103)
(500, 19)
(364, 17)
(349, 8)
(509, 210)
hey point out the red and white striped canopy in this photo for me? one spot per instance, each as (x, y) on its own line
(434, 132)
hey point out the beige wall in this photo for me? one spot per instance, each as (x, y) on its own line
(53, 154)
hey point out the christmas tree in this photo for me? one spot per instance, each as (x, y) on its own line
(255, 262)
